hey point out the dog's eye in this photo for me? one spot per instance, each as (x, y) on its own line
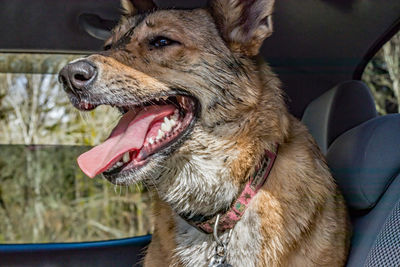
(162, 41)
(107, 47)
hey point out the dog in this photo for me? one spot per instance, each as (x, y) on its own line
(236, 179)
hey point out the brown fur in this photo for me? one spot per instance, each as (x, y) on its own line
(301, 212)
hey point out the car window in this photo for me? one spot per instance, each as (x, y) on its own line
(382, 75)
(44, 197)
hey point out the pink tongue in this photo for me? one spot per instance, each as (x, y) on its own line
(128, 135)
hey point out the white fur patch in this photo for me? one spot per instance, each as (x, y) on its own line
(199, 183)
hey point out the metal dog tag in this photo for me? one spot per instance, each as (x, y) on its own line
(219, 258)
(219, 261)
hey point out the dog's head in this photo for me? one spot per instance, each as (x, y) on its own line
(188, 85)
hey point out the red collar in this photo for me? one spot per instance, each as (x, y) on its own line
(229, 219)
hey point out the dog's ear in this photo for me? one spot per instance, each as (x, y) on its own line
(133, 7)
(244, 24)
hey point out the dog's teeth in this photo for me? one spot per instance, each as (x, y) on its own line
(126, 157)
(172, 122)
(151, 141)
(119, 163)
(166, 127)
(175, 117)
(160, 134)
(158, 99)
(169, 122)
(185, 102)
(164, 97)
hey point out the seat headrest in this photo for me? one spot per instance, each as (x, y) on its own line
(343, 107)
(365, 160)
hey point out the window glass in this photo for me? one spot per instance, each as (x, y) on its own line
(382, 75)
(44, 197)
(35, 110)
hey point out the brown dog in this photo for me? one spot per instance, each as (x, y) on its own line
(204, 126)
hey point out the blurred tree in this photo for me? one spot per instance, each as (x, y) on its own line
(42, 185)
(35, 110)
(382, 75)
(57, 203)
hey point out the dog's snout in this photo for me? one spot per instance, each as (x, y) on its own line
(78, 75)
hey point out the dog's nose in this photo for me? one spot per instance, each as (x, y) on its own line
(78, 75)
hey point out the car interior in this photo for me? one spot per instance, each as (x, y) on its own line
(319, 50)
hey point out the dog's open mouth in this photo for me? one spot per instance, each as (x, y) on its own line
(143, 131)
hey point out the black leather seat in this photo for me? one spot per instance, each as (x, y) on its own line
(365, 162)
(338, 110)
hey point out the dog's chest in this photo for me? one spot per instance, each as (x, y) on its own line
(196, 249)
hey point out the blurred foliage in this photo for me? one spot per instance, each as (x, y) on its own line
(382, 75)
(33, 63)
(35, 110)
(44, 197)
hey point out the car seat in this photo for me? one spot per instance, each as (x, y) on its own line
(365, 162)
(338, 110)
